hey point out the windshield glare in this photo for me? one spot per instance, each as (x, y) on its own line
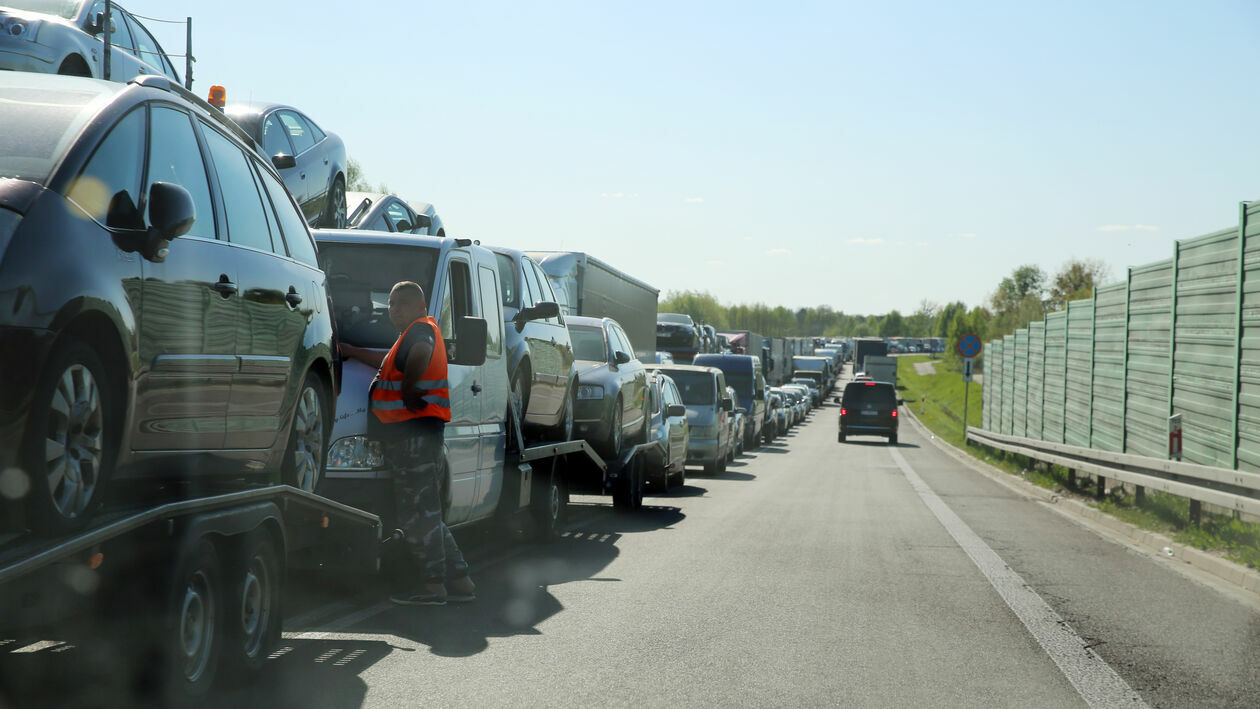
(40, 119)
(359, 280)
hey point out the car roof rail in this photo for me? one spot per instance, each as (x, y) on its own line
(165, 84)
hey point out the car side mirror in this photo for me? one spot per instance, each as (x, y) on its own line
(470, 342)
(171, 214)
(620, 357)
(676, 410)
(283, 161)
(727, 404)
(422, 222)
(836, 400)
(545, 310)
(901, 402)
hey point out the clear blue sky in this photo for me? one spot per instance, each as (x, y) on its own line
(863, 155)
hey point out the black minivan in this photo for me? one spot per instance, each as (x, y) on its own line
(162, 310)
(869, 409)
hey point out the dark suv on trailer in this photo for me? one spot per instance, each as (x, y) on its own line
(162, 310)
(869, 409)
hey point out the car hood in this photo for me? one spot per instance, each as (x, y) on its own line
(587, 368)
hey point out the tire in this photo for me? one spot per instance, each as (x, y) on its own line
(191, 619)
(892, 440)
(252, 605)
(334, 216)
(679, 478)
(565, 432)
(721, 466)
(70, 446)
(628, 495)
(308, 436)
(840, 437)
(547, 503)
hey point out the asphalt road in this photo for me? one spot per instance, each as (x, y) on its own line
(810, 574)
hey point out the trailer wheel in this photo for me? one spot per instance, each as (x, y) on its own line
(628, 495)
(547, 503)
(189, 621)
(253, 612)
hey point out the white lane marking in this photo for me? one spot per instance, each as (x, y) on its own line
(40, 645)
(1093, 678)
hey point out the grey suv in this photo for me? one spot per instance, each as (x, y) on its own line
(67, 37)
(162, 311)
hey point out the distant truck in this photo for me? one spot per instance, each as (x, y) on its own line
(881, 369)
(864, 346)
(747, 342)
(817, 368)
(594, 289)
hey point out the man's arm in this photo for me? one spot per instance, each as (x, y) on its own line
(417, 362)
(363, 354)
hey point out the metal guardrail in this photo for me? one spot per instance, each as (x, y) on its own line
(1232, 489)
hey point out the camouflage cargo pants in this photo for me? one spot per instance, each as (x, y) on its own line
(419, 465)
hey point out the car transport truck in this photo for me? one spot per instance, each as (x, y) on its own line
(592, 288)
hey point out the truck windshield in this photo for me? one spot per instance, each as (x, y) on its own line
(696, 387)
(670, 317)
(588, 343)
(359, 280)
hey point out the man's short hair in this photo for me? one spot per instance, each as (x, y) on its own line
(411, 291)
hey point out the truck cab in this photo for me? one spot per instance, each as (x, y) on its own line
(460, 281)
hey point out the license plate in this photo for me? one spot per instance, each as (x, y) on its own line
(870, 413)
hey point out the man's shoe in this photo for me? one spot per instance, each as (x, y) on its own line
(418, 598)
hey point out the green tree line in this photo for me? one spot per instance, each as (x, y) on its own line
(1025, 296)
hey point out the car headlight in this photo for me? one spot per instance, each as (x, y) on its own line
(355, 453)
(590, 391)
(19, 28)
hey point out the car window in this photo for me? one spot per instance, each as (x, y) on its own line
(246, 220)
(858, 394)
(400, 218)
(299, 134)
(545, 291)
(175, 157)
(108, 188)
(274, 138)
(696, 388)
(623, 342)
(316, 134)
(147, 48)
(507, 280)
(533, 292)
(444, 312)
(296, 234)
(493, 311)
(457, 299)
(121, 36)
(588, 343)
(377, 223)
(654, 397)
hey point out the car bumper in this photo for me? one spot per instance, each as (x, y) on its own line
(704, 450)
(591, 420)
(867, 429)
(20, 55)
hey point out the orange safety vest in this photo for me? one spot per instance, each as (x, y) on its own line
(386, 399)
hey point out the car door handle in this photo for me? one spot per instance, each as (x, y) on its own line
(293, 297)
(476, 388)
(302, 175)
(325, 161)
(225, 287)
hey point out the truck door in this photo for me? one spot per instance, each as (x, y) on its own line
(462, 433)
(492, 376)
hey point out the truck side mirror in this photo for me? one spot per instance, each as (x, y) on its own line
(727, 404)
(470, 342)
(676, 410)
(620, 357)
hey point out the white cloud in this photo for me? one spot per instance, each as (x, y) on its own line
(747, 238)
(1127, 227)
(779, 252)
(715, 262)
(619, 195)
(870, 242)
(967, 235)
(694, 200)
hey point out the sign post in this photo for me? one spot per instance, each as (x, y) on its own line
(968, 347)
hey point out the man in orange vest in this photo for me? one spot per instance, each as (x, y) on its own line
(409, 409)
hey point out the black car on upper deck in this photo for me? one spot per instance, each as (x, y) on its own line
(162, 310)
(311, 161)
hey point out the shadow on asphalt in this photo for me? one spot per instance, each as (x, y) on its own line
(881, 444)
(687, 490)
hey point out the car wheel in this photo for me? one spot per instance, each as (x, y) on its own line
(252, 611)
(192, 634)
(308, 436)
(628, 494)
(892, 440)
(565, 431)
(840, 437)
(70, 440)
(335, 211)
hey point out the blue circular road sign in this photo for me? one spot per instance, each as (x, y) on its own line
(969, 345)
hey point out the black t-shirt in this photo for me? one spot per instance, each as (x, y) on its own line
(419, 332)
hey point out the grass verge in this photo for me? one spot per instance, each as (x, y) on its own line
(942, 412)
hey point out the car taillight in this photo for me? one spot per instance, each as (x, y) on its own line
(844, 412)
(894, 413)
(870, 384)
